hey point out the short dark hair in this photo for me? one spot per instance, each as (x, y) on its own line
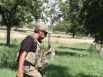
(36, 30)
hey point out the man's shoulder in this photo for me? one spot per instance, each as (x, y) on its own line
(28, 38)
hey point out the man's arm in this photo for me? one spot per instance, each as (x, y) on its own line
(26, 46)
(21, 63)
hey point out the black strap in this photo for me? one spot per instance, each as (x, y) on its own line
(25, 75)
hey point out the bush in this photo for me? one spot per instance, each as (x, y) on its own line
(7, 57)
(92, 48)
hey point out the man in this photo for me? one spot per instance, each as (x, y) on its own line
(30, 44)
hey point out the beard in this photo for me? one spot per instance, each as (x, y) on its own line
(40, 40)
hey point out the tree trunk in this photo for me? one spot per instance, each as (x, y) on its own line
(49, 41)
(8, 34)
(73, 34)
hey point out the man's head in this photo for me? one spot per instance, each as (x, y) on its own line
(41, 29)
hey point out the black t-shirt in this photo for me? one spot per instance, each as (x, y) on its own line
(28, 45)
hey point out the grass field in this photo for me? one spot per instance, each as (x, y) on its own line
(71, 60)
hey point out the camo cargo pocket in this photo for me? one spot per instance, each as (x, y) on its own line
(31, 57)
(31, 71)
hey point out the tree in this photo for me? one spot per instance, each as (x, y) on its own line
(50, 15)
(91, 16)
(62, 26)
(51, 12)
(70, 10)
(14, 12)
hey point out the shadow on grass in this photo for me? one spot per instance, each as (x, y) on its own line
(84, 75)
(57, 71)
(72, 48)
(13, 67)
(61, 71)
(72, 51)
(3, 44)
(66, 53)
(11, 45)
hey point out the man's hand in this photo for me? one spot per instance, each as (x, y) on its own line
(50, 50)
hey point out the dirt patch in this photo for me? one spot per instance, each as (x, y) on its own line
(54, 37)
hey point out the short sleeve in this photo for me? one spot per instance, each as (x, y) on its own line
(26, 44)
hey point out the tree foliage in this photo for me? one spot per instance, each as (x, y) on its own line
(70, 10)
(14, 12)
(62, 26)
(91, 19)
(50, 12)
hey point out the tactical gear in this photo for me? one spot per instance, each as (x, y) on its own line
(34, 60)
(37, 58)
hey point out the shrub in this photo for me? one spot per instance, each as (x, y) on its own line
(7, 56)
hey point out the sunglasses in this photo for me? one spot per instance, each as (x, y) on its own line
(45, 33)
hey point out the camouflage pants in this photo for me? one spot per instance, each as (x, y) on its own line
(30, 71)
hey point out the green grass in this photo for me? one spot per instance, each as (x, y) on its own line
(71, 60)
(7, 73)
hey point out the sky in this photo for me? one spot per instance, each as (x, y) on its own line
(57, 9)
